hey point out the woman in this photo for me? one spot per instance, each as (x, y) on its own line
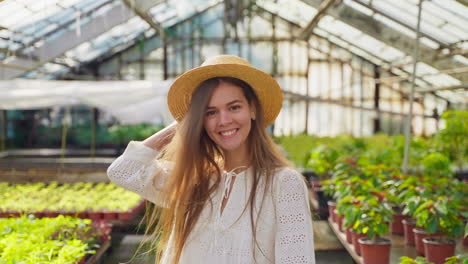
(223, 192)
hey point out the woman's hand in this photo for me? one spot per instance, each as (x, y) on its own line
(161, 138)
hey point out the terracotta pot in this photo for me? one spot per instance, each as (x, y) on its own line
(349, 235)
(68, 213)
(51, 214)
(339, 220)
(397, 225)
(12, 214)
(139, 206)
(315, 182)
(38, 214)
(375, 251)
(82, 214)
(355, 237)
(95, 215)
(109, 215)
(419, 234)
(437, 250)
(125, 215)
(408, 225)
(331, 209)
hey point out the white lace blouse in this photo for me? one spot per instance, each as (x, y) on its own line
(284, 226)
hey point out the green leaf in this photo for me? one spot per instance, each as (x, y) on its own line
(432, 225)
(464, 214)
(441, 208)
(356, 224)
(365, 230)
(457, 230)
(466, 229)
(422, 207)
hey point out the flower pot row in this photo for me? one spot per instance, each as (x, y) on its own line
(433, 246)
(372, 251)
(105, 215)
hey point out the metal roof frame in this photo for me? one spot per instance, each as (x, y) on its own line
(390, 36)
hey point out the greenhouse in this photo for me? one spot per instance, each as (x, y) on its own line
(365, 100)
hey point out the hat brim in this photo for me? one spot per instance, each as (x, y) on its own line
(265, 87)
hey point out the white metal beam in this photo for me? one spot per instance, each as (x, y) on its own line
(51, 48)
(391, 37)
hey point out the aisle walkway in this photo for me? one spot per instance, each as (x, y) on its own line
(328, 249)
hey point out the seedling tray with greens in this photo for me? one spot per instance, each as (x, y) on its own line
(84, 200)
(59, 240)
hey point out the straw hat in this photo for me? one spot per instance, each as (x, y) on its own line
(265, 87)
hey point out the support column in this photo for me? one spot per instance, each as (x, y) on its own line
(94, 122)
(351, 100)
(119, 72)
(361, 101)
(249, 32)
(142, 59)
(306, 130)
(343, 108)
(377, 127)
(413, 78)
(165, 69)
(4, 123)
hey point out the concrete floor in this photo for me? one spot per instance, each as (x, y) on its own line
(328, 248)
(125, 250)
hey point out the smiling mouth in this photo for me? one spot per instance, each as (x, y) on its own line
(228, 134)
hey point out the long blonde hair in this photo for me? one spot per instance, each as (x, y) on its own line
(189, 186)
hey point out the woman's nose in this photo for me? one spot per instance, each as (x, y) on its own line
(225, 118)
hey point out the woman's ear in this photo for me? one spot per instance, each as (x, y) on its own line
(252, 114)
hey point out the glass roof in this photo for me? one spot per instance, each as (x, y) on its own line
(61, 16)
(444, 20)
(438, 28)
(33, 21)
(116, 36)
(25, 25)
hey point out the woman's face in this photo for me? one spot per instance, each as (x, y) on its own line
(228, 119)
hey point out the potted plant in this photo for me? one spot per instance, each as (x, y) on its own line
(459, 259)
(322, 161)
(374, 221)
(444, 217)
(328, 187)
(394, 188)
(417, 260)
(409, 192)
(453, 139)
(350, 208)
(437, 182)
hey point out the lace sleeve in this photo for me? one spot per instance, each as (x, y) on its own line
(294, 241)
(138, 170)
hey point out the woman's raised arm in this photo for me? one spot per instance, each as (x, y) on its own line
(138, 168)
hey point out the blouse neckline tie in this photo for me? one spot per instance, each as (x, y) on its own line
(229, 176)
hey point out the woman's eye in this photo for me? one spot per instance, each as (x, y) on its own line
(235, 107)
(210, 113)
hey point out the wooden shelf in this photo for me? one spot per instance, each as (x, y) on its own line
(342, 237)
(398, 249)
(95, 258)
